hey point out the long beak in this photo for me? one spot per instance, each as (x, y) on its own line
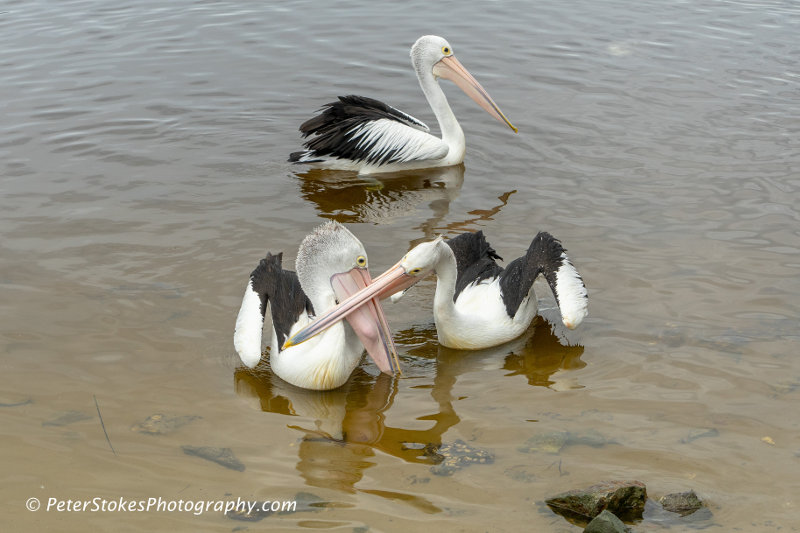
(363, 301)
(451, 69)
(367, 320)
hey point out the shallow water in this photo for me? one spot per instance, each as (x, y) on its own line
(143, 147)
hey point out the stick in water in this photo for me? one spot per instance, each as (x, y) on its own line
(103, 425)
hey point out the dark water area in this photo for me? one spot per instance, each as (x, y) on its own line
(143, 151)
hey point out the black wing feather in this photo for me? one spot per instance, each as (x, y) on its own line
(332, 130)
(544, 256)
(282, 290)
(475, 260)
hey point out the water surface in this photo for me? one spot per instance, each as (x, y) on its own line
(143, 149)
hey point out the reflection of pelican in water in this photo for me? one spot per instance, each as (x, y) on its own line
(331, 264)
(538, 355)
(358, 133)
(347, 198)
(344, 429)
(477, 304)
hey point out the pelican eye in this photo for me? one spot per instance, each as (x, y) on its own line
(361, 261)
(446, 50)
(414, 271)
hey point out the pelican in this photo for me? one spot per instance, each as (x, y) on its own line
(478, 304)
(331, 265)
(368, 136)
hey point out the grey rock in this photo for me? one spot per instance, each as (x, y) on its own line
(450, 458)
(657, 515)
(625, 499)
(700, 434)
(221, 456)
(15, 402)
(69, 417)
(683, 503)
(781, 388)
(553, 442)
(591, 437)
(160, 424)
(606, 522)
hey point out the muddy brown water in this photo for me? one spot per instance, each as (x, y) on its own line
(143, 151)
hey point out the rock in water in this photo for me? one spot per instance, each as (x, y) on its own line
(606, 522)
(590, 437)
(552, 443)
(221, 456)
(159, 424)
(625, 499)
(15, 401)
(69, 417)
(683, 503)
(700, 434)
(451, 457)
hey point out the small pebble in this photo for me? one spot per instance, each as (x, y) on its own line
(159, 424)
(69, 417)
(221, 456)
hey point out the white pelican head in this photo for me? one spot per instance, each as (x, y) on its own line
(433, 56)
(332, 265)
(413, 267)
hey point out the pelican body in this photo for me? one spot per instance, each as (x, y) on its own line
(331, 265)
(478, 304)
(365, 135)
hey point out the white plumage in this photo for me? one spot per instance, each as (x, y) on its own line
(331, 265)
(365, 135)
(477, 303)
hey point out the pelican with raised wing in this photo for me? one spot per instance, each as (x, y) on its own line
(368, 136)
(478, 304)
(331, 266)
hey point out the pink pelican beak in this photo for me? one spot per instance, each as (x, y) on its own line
(367, 320)
(362, 308)
(451, 69)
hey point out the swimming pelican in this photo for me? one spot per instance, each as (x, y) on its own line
(478, 304)
(362, 134)
(331, 265)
